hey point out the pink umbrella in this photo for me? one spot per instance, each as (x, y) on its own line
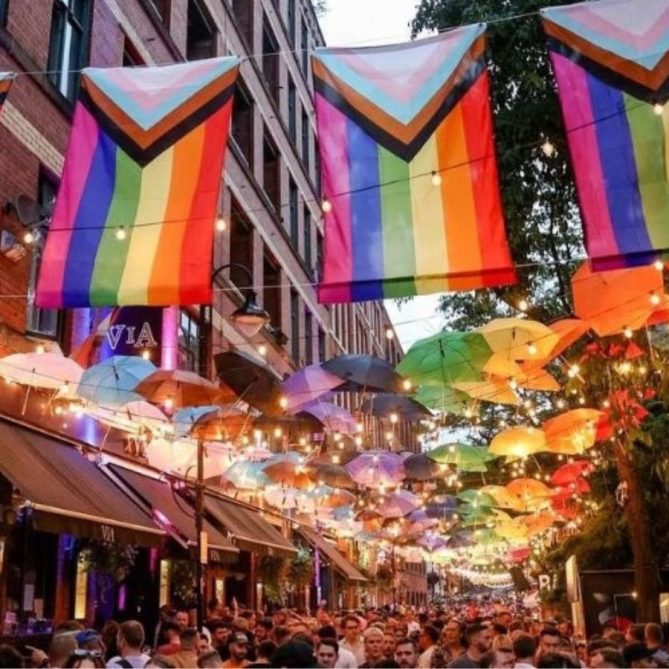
(397, 504)
(333, 417)
(307, 385)
(375, 469)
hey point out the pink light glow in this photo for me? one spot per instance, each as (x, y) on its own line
(169, 339)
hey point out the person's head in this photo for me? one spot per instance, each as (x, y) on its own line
(265, 650)
(160, 662)
(263, 629)
(373, 644)
(606, 658)
(220, 632)
(350, 626)
(130, 638)
(524, 647)
(281, 634)
(636, 655)
(556, 661)
(85, 659)
(293, 654)
(451, 634)
(389, 645)
(209, 660)
(213, 608)
(635, 633)
(61, 647)
(503, 618)
(239, 646)
(170, 632)
(478, 638)
(327, 651)
(188, 639)
(406, 653)
(203, 644)
(429, 636)
(653, 635)
(503, 651)
(182, 619)
(549, 640)
(10, 657)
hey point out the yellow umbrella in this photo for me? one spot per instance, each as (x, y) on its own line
(518, 442)
(533, 494)
(537, 379)
(537, 523)
(572, 432)
(500, 365)
(519, 338)
(492, 390)
(503, 498)
(511, 530)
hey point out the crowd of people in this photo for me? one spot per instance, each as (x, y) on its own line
(462, 635)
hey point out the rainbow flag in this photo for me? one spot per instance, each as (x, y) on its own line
(409, 169)
(134, 217)
(611, 62)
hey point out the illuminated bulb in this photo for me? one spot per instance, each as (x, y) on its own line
(513, 384)
(221, 225)
(468, 413)
(658, 109)
(394, 418)
(168, 403)
(326, 206)
(548, 148)
(523, 305)
(502, 423)
(277, 432)
(390, 334)
(532, 349)
(436, 178)
(561, 404)
(358, 441)
(283, 402)
(262, 349)
(146, 354)
(121, 234)
(658, 265)
(65, 387)
(655, 299)
(573, 371)
(628, 333)
(389, 436)
(406, 384)
(581, 400)
(39, 349)
(28, 237)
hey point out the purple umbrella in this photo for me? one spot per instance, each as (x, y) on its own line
(333, 417)
(377, 468)
(397, 504)
(307, 385)
(432, 542)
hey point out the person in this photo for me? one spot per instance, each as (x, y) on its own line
(263, 630)
(182, 619)
(209, 660)
(281, 634)
(108, 636)
(549, 641)
(170, 632)
(373, 639)
(478, 639)
(10, 657)
(635, 633)
(187, 654)
(129, 641)
(450, 646)
(60, 649)
(524, 649)
(90, 639)
(345, 659)
(654, 641)
(427, 643)
(160, 662)
(327, 651)
(352, 640)
(239, 650)
(203, 643)
(264, 654)
(85, 659)
(406, 653)
(503, 654)
(556, 661)
(389, 645)
(293, 654)
(606, 658)
(213, 611)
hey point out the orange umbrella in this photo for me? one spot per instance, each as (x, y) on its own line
(537, 523)
(572, 432)
(519, 338)
(529, 489)
(615, 300)
(492, 390)
(537, 379)
(177, 388)
(503, 498)
(518, 442)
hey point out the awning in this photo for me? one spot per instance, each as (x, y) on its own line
(330, 552)
(67, 493)
(248, 529)
(172, 514)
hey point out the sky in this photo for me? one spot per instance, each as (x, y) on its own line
(367, 22)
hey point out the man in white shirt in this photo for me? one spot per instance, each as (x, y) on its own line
(130, 639)
(352, 641)
(427, 642)
(524, 648)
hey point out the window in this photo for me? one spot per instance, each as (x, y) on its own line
(295, 325)
(200, 33)
(319, 255)
(4, 6)
(304, 46)
(307, 240)
(305, 140)
(321, 345)
(294, 227)
(317, 167)
(242, 10)
(69, 27)
(44, 322)
(270, 61)
(308, 337)
(242, 122)
(271, 279)
(290, 18)
(271, 172)
(241, 245)
(292, 112)
(189, 342)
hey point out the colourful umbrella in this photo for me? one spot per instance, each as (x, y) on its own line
(375, 469)
(519, 338)
(420, 467)
(113, 381)
(223, 424)
(572, 432)
(491, 390)
(330, 497)
(332, 475)
(42, 370)
(476, 498)
(364, 372)
(178, 388)
(503, 498)
(385, 404)
(518, 442)
(333, 418)
(132, 417)
(288, 471)
(465, 457)
(244, 475)
(184, 419)
(180, 456)
(442, 398)
(397, 504)
(308, 384)
(570, 471)
(287, 498)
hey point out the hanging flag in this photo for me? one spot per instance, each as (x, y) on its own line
(409, 169)
(611, 61)
(6, 80)
(134, 217)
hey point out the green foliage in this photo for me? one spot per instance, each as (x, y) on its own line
(109, 558)
(301, 568)
(182, 583)
(273, 574)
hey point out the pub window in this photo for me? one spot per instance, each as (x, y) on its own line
(317, 167)
(292, 111)
(305, 140)
(67, 43)
(321, 345)
(200, 32)
(242, 10)
(270, 61)
(294, 226)
(190, 347)
(271, 172)
(272, 291)
(44, 322)
(308, 337)
(242, 122)
(241, 245)
(304, 47)
(307, 240)
(295, 326)
(290, 18)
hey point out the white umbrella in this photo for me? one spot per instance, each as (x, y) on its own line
(41, 370)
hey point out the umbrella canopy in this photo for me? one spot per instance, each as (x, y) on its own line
(288, 471)
(308, 384)
(432, 542)
(518, 442)
(503, 498)
(42, 370)
(184, 419)
(364, 372)
(519, 338)
(223, 424)
(569, 472)
(465, 457)
(476, 498)
(181, 456)
(333, 418)
(132, 417)
(446, 358)
(113, 381)
(385, 404)
(253, 381)
(334, 456)
(290, 498)
(397, 504)
(537, 523)
(420, 467)
(332, 498)
(442, 398)
(178, 388)
(572, 432)
(244, 475)
(332, 475)
(374, 469)
(533, 494)
(441, 506)
(491, 390)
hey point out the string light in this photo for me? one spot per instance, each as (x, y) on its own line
(658, 265)
(513, 384)
(394, 418)
(168, 403)
(627, 332)
(283, 402)
(121, 234)
(436, 178)
(532, 349)
(655, 299)
(523, 305)
(326, 206)
(262, 350)
(406, 384)
(573, 371)
(658, 109)
(548, 148)
(28, 237)
(39, 349)
(146, 354)
(221, 225)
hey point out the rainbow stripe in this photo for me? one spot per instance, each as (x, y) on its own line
(382, 133)
(160, 187)
(611, 63)
(6, 79)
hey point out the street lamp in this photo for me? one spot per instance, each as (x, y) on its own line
(250, 318)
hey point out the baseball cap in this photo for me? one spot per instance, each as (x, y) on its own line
(85, 636)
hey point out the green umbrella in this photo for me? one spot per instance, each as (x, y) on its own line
(446, 358)
(465, 457)
(473, 496)
(474, 515)
(442, 398)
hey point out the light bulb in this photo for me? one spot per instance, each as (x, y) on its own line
(326, 206)
(548, 148)
(406, 384)
(628, 333)
(283, 402)
(658, 109)
(168, 403)
(436, 178)
(513, 384)
(262, 349)
(146, 354)
(121, 234)
(655, 299)
(39, 349)
(532, 349)
(221, 225)
(523, 305)
(394, 418)
(573, 371)
(28, 237)
(390, 334)
(658, 265)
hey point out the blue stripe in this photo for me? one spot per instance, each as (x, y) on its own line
(619, 168)
(89, 224)
(366, 221)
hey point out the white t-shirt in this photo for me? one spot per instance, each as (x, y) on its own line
(346, 660)
(137, 661)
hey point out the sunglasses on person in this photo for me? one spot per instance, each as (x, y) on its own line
(83, 652)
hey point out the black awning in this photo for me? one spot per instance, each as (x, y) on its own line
(172, 513)
(65, 492)
(331, 553)
(248, 528)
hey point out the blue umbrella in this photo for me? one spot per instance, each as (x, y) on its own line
(245, 475)
(111, 383)
(185, 418)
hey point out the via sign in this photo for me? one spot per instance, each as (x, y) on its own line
(132, 331)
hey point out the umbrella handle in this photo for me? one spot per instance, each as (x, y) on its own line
(25, 401)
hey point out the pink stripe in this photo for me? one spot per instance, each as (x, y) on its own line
(585, 156)
(80, 151)
(333, 141)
